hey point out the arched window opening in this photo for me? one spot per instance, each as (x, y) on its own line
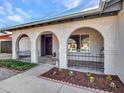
(85, 49)
(24, 48)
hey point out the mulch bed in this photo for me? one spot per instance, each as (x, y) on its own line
(80, 79)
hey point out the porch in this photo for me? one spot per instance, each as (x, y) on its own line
(84, 49)
(42, 60)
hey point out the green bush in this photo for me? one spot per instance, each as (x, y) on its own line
(71, 73)
(90, 77)
(17, 65)
(109, 78)
(112, 85)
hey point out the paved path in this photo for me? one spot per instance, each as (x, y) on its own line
(28, 82)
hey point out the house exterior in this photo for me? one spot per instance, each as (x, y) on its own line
(93, 38)
(6, 42)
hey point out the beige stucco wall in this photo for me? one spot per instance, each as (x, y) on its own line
(24, 44)
(39, 46)
(107, 26)
(120, 61)
(55, 46)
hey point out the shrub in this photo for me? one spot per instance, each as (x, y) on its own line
(71, 73)
(90, 77)
(109, 78)
(112, 85)
(17, 65)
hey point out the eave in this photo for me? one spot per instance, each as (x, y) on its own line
(106, 9)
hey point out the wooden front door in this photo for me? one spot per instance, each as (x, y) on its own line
(48, 45)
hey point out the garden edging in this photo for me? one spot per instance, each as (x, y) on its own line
(77, 86)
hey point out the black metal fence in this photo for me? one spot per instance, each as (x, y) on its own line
(87, 60)
(22, 54)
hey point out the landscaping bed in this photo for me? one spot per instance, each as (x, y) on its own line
(95, 81)
(9, 68)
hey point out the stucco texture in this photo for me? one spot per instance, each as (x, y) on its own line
(106, 26)
(24, 44)
(120, 61)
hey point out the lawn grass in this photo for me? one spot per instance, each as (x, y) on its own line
(16, 65)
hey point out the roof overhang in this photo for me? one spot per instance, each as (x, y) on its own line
(6, 38)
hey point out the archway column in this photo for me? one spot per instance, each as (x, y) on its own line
(110, 53)
(63, 53)
(110, 61)
(15, 46)
(14, 49)
(34, 55)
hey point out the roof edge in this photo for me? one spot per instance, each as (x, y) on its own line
(54, 19)
(84, 13)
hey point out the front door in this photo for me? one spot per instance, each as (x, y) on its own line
(48, 45)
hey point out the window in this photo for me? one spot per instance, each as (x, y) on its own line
(72, 45)
(84, 43)
(78, 43)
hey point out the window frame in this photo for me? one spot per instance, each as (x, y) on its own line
(79, 51)
(68, 44)
(89, 43)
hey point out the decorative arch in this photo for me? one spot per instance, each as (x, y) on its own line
(41, 45)
(45, 32)
(23, 47)
(90, 48)
(85, 27)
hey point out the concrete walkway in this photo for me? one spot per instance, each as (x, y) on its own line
(28, 82)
